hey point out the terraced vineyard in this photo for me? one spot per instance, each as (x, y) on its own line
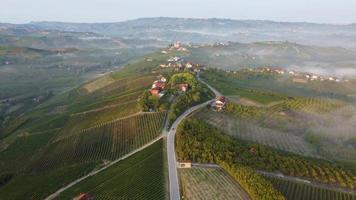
(296, 191)
(210, 183)
(141, 176)
(108, 141)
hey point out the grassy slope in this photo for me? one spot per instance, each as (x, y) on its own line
(139, 177)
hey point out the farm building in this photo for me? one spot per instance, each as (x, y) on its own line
(219, 103)
(83, 196)
(185, 165)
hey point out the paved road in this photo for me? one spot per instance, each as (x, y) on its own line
(217, 93)
(174, 191)
(172, 161)
(58, 192)
(312, 183)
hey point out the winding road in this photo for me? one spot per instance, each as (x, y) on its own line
(174, 191)
(172, 161)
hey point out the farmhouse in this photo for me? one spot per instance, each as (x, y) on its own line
(83, 196)
(158, 87)
(219, 103)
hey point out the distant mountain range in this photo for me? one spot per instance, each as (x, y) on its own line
(205, 30)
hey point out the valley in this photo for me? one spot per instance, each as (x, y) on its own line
(119, 118)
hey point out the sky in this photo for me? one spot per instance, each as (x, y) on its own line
(320, 11)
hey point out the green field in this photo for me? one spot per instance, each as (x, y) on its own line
(210, 183)
(141, 176)
(295, 191)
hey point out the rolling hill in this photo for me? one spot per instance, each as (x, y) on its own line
(320, 60)
(212, 30)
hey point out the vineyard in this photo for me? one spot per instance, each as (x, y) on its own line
(141, 176)
(77, 123)
(295, 191)
(204, 143)
(311, 105)
(106, 142)
(210, 183)
(250, 131)
(78, 131)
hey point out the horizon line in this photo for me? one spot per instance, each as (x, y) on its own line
(186, 18)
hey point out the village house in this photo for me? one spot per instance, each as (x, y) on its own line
(158, 84)
(83, 196)
(158, 87)
(188, 65)
(219, 103)
(177, 45)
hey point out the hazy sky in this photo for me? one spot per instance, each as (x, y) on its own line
(325, 11)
